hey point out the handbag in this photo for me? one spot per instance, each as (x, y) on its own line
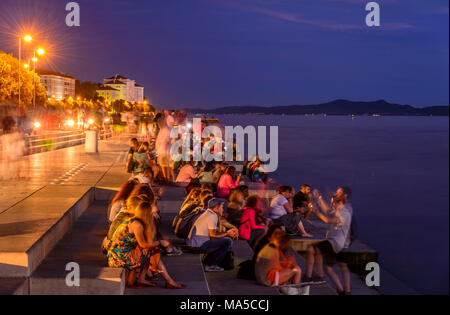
(246, 270)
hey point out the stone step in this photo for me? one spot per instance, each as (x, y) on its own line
(227, 283)
(14, 286)
(82, 245)
(186, 269)
(169, 206)
(30, 229)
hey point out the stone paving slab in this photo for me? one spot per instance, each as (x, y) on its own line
(81, 245)
(69, 166)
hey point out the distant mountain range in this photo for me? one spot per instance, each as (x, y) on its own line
(337, 107)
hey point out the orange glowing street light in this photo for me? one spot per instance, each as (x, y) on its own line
(28, 39)
(40, 52)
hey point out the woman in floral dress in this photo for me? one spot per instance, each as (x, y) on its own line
(133, 248)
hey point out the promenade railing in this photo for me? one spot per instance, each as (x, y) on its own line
(50, 141)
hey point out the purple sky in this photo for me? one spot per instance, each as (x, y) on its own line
(211, 53)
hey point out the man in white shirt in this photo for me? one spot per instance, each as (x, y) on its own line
(339, 216)
(205, 237)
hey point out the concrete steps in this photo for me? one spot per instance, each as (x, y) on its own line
(227, 283)
(28, 234)
(14, 286)
(186, 269)
(81, 245)
(357, 254)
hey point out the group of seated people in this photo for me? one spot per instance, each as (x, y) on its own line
(218, 210)
(229, 212)
(255, 171)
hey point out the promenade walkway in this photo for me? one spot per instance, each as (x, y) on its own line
(36, 213)
(66, 167)
(59, 216)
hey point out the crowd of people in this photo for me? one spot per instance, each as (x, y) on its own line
(218, 210)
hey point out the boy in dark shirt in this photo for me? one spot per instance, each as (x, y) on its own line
(302, 201)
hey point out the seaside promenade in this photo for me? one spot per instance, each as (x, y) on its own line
(36, 213)
(58, 216)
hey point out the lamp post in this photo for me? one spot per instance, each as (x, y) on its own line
(40, 52)
(28, 39)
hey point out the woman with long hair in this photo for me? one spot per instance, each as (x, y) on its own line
(119, 200)
(144, 189)
(134, 248)
(227, 182)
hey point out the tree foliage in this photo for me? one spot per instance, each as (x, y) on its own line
(86, 89)
(9, 83)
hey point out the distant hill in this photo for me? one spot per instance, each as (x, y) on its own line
(337, 107)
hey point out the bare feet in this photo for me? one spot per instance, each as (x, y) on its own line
(175, 285)
(145, 283)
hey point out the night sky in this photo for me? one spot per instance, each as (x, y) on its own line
(212, 53)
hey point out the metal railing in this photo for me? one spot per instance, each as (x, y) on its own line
(59, 140)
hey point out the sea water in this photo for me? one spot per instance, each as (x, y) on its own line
(398, 168)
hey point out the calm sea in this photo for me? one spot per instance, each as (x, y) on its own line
(398, 168)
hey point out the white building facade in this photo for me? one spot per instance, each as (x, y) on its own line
(128, 89)
(59, 86)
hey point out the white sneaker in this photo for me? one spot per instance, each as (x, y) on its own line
(213, 268)
(294, 290)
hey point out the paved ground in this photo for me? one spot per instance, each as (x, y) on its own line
(69, 166)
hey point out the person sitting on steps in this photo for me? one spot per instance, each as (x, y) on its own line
(204, 236)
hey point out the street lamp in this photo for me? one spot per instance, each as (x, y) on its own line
(28, 39)
(40, 52)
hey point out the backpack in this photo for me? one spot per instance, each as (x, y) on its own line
(185, 225)
(195, 182)
(184, 212)
(246, 270)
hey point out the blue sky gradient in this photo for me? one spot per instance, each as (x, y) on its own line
(212, 53)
